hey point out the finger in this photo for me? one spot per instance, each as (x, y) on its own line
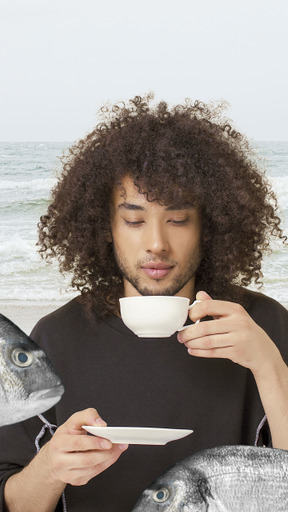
(202, 329)
(213, 353)
(86, 417)
(203, 296)
(114, 457)
(106, 464)
(216, 309)
(83, 475)
(211, 342)
(82, 443)
(89, 459)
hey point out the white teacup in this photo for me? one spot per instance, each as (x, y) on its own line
(154, 316)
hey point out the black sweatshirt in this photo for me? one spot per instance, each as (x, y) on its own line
(141, 382)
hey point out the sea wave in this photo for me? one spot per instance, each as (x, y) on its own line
(28, 174)
(16, 244)
(35, 185)
(18, 253)
(20, 208)
(45, 293)
(280, 187)
(24, 275)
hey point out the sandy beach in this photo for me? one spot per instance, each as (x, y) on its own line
(26, 315)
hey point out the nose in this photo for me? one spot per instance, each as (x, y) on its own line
(156, 239)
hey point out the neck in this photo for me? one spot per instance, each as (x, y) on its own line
(188, 290)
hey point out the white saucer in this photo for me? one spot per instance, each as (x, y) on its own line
(138, 435)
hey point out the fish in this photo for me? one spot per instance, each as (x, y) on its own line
(222, 479)
(29, 384)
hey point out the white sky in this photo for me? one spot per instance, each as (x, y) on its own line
(62, 59)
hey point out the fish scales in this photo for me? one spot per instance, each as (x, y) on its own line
(226, 479)
(11, 384)
(29, 384)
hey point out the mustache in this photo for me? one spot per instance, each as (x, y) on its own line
(153, 259)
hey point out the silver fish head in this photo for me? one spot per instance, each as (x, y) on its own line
(179, 489)
(29, 384)
(222, 479)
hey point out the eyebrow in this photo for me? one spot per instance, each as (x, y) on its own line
(136, 207)
(131, 206)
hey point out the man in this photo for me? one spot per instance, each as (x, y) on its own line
(153, 202)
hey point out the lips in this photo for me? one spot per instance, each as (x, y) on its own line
(157, 270)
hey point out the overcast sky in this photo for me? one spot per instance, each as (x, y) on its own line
(62, 59)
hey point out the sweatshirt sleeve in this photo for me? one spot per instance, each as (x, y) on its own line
(17, 448)
(18, 444)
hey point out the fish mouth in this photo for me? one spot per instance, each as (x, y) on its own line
(55, 392)
(34, 404)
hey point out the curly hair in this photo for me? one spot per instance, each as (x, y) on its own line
(189, 152)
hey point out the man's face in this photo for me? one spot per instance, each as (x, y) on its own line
(157, 248)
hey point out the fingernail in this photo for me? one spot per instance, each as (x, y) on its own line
(100, 422)
(123, 446)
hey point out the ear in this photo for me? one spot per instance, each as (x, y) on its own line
(108, 238)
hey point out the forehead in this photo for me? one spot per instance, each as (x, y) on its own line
(126, 193)
(127, 190)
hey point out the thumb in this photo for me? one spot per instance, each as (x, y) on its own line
(203, 296)
(86, 417)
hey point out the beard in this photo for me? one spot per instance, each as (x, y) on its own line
(158, 287)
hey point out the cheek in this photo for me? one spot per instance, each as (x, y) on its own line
(117, 236)
(187, 242)
(125, 236)
(126, 243)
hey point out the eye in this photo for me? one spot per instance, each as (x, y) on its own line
(22, 358)
(161, 495)
(179, 222)
(134, 223)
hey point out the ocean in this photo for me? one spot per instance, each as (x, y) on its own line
(28, 171)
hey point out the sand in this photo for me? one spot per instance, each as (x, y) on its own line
(26, 315)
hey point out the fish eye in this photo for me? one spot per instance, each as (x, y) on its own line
(161, 495)
(22, 357)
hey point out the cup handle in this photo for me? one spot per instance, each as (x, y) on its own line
(197, 321)
(193, 304)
